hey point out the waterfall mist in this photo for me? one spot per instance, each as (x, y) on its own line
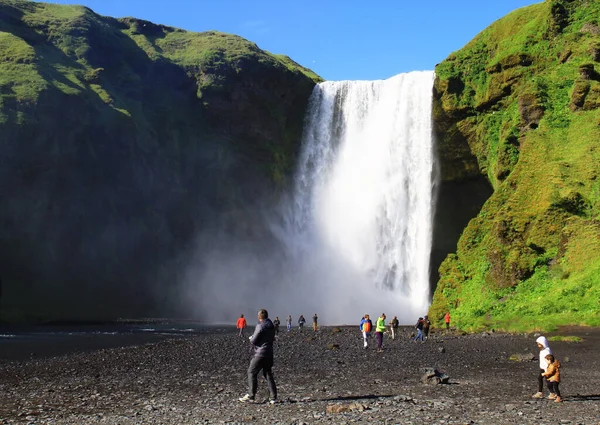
(354, 237)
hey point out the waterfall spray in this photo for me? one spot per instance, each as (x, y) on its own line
(358, 231)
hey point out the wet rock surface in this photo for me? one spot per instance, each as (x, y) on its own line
(197, 380)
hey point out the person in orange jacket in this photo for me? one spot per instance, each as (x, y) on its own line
(241, 325)
(447, 320)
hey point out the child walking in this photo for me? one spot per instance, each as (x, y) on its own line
(542, 343)
(552, 376)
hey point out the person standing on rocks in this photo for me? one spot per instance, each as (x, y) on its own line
(315, 322)
(301, 321)
(262, 340)
(426, 325)
(241, 325)
(289, 323)
(276, 323)
(394, 326)
(447, 320)
(542, 343)
(365, 327)
(379, 330)
(419, 327)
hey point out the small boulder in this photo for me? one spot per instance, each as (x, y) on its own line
(342, 408)
(432, 376)
(522, 357)
(337, 408)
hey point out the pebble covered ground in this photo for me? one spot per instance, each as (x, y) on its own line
(322, 377)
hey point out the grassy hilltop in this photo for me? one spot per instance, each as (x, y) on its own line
(520, 105)
(120, 139)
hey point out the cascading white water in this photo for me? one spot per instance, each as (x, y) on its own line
(359, 228)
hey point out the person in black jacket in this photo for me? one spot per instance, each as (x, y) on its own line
(262, 340)
(419, 327)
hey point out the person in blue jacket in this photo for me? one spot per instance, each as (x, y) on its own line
(365, 327)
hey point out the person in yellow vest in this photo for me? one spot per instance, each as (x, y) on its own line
(379, 330)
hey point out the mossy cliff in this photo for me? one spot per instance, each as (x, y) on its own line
(519, 105)
(120, 139)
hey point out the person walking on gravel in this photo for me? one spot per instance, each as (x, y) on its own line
(426, 325)
(552, 376)
(289, 323)
(262, 339)
(419, 327)
(241, 325)
(379, 330)
(301, 322)
(276, 323)
(394, 326)
(315, 322)
(365, 327)
(542, 343)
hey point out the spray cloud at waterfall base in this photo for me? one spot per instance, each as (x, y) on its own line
(355, 235)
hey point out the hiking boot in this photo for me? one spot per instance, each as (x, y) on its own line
(273, 401)
(552, 396)
(246, 399)
(538, 395)
(558, 400)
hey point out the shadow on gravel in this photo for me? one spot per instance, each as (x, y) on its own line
(356, 397)
(579, 397)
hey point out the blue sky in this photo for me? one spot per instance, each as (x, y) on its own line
(338, 39)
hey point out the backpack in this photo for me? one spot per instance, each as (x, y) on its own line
(367, 326)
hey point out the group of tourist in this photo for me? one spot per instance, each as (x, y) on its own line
(242, 324)
(421, 329)
(264, 336)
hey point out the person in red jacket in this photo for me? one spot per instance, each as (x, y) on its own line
(447, 320)
(241, 325)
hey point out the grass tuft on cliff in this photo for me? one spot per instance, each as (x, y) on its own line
(524, 96)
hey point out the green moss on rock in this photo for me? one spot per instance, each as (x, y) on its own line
(525, 98)
(123, 139)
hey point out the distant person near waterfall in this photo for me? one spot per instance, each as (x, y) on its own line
(301, 322)
(426, 326)
(241, 325)
(379, 330)
(262, 340)
(419, 328)
(315, 322)
(394, 326)
(447, 320)
(365, 327)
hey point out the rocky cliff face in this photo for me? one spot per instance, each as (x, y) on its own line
(119, 141)
(518, 106)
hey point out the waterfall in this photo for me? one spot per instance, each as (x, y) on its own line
(358, 228)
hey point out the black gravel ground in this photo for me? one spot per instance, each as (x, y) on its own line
(323, 377)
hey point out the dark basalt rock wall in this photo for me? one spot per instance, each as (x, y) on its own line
(120, 141)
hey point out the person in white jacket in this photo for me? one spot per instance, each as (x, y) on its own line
(542, 343)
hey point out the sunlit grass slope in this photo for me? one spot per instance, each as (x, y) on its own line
(524, 94)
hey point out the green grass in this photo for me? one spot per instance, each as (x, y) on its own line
(531, 259)
(565, 338)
